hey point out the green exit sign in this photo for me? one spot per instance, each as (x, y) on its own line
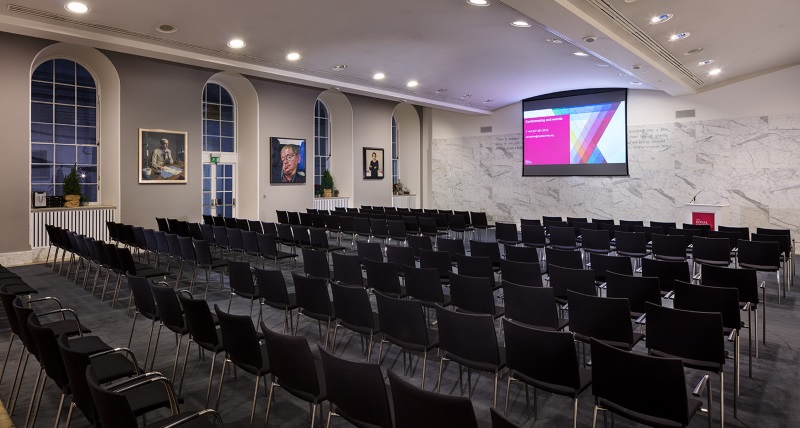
(214, 159)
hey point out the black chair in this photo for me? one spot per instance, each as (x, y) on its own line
(354, 312)
(403, 324)
(470, 340)
(533, 236)
(347, 269)
(506, 233)
(544, 360)
(666, 272)
(241, 283)
(528, 274)
(362, 228)
(314, 302)
(694, 337)
(479, 267)
(565, 279)
(384, 277)
(425, 285)
(563, 238)
(419, 242)
(601, 318)
(459, 224)
(474, 294)
(534, 306)
(786, 248)
(479, 221)
(710, 251)
(602, 264)
(401, 257)
(639, 290)
(522, 254)
(746, 282)
(315, 263)
(664, 227)
(486, 249)
(438, 260)
(688, 235)
(669, 247)
(144, 305)
(631, 244)
(762, 256)
(203, 332)
(273, 292)
(417, 408)
(595, 242)
(170, 315)
(295, 370)
(454, 247)
(356, 392)
(243, 350)
(208, 262)
(268, 249)
(319, 241)
(369, 251)
(397, 231)
(563, 258)
(648, 390)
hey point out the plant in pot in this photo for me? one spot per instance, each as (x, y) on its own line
(327, 183)
(72, 189)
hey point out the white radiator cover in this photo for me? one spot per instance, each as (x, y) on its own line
(89, 221)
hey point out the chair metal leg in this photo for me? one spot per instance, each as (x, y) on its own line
(33, 394)
(721, 398)
(439, 379)
(575, 414)
(183, 370)
(269, 401)
(8, 354)
(221, 380)
(130, 337)
(58, 413)
(313, 413)
(177, 354)
(255, 394)
(424, 365)
(594, 416)
(69, 414)
(508, 393)
(13, 397)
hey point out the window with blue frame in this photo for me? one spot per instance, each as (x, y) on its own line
(63, 127)
(395, 153)
(322, 142)
(219, 131)
(218, 120)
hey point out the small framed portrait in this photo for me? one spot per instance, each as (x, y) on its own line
(373, 163)
(163, 156)
(288, 160)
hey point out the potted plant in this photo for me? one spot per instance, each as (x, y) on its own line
(72, 189)
(327, 183)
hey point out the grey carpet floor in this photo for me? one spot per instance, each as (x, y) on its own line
(768, 399)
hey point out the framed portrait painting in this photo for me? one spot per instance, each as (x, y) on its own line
(373, 163)
(163, 156)
(288, 160)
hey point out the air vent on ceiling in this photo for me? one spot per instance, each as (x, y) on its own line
(486, 129)
(641, 36)
(681, 114)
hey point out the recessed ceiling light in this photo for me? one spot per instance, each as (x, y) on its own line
(236, 43)
(664, 17)
(293, 56)
(412, 84)
(339, 67)
(478, 2)
(441, 91)
(378, 76)
(554, 41)
(636, 83)
(620, 74)
(579, 53)
(706, 62)
(636, 66)
(76, 7)
(693, 51)
(466, 95)
(521, 24)
(714, 72)
(601, 64)
(487, 101)
(166, 28)
(678, 36)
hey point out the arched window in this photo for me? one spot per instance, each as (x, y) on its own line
(63, 127)
(219, 142)
(322, 142)
(395, 153)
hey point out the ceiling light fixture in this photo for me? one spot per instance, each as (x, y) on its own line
(466, 95)
(521, 24)
(166, 28)
(601, 64)
(487, 101)
(679, 36)
(706, 62)
(714, 72)
(339, 67)
(478, 2)
(693, 51)
(236, 43)
(76, 7)
(664, 17)
(579, 53)
(636, 83)
(378, 76)
(620, 74)
(293, 56)
(554, 41)
(412, 84)
(441, 91)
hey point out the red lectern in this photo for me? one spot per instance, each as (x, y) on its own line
(710, 214)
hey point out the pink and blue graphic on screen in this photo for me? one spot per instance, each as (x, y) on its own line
(569, 135)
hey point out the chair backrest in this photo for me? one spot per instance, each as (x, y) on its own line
(318, 238)
(648, 385)
(49, 356)
(521, 254)
(666, 272)
(220, 236)
(664, 227)
(270, 228)
(784, 241)
(703, 228)
(702, 298)
(402, 321)
(199, 320)
(241, 278)
(669, 247)
(312, 295)
(8, 305)
(250, 242)
(602, 318)
(744, 232)
(315, 263)
(533, 235)
(744, 280)
(454, 247)
(760, 255)
(383, 277)
(473, 294)
(631, 243)
(143, 298)
(595, 240)
(485, 249)
(347, 269)
(732, 237)
(478, 219)
(639, 290)
(424, 284)
(255, 226)
(580, 280)
(417, 408)
(545, 356)
(187, 248)
(266, 245)
(563, 258)
(711, 250)
(534, 306)
(400, 256)
(466, 337)
(369, 250)
(562, 237)
(530, 222)
(688, 234)
(686, 334)
(480, 267)
(602, 264)
(162, 223)
(300, 234)
(283, 216)
(352, 305)
(168, 307)
(272, 286)
(528, 274)
(291, 361)
(239, 338)
(202, 251)
(439, 260)
(357, 390)
(113, 409)
(506, 232)
(208, 233)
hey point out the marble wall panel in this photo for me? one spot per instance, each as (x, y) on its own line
(749, 162)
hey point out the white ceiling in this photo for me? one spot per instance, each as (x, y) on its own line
(443, 44)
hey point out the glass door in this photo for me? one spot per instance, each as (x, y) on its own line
(219, 195)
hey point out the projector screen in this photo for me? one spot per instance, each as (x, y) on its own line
(582, 132)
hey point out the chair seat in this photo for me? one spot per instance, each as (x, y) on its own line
(448, 301)
(632, 254)
(433, 341)
(376, 326)
(213, 348)
(585, 381)
(292, 298)
(111, 367)
(308, 397)
(68, 327)
(692, 363)
(258, 371)
(481, 365)
(670, 258)
(18, 289)
(147, 398)
(215, 263)
(722, 263)
(763, 268)
(621, 345)
(198, 422)
(88, 345)
(692, 408)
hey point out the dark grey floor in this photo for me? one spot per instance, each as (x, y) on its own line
(769, 399)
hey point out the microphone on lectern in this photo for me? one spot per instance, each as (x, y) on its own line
(695, 197)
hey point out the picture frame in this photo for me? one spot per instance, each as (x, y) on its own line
(154, 166)
(373, 165)
(292, 153)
